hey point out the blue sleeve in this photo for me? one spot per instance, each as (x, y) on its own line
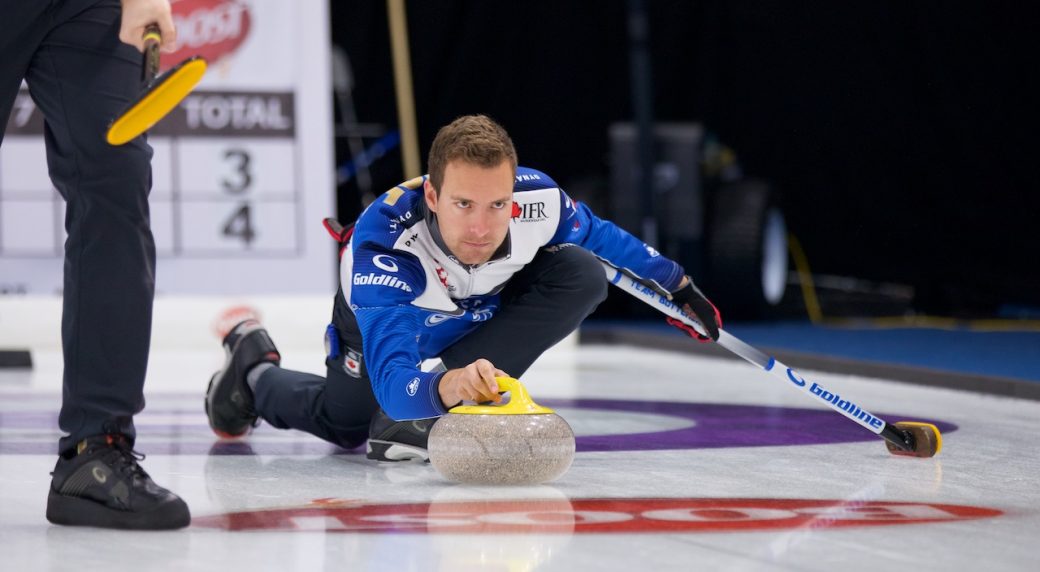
(392, 357)
(608, 241)
(383, 285)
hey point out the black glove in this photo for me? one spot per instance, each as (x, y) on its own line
(692, 301)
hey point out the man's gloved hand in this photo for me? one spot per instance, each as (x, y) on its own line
(692, 301)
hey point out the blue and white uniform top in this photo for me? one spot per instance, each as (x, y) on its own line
(413, 298)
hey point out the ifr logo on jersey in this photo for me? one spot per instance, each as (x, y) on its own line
(413, 386)
(529, 212)
(385, 262)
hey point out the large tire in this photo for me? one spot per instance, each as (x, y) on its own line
(747, 251)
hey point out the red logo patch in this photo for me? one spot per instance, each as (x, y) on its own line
(577, 516)
(212, 29)
(516, 210)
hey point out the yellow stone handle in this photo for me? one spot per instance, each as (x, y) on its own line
(520, 402)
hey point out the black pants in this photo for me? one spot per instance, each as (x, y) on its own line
(541, 305)
(81, 76)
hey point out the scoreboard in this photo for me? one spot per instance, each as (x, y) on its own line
(242, 170)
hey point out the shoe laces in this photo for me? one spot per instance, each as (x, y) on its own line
(122, 457)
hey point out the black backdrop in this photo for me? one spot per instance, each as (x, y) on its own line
(901, 134)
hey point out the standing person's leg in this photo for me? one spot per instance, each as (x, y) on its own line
(541, 305)
(81, 76)
(22, 28)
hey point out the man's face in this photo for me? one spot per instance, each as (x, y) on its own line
(473, 209)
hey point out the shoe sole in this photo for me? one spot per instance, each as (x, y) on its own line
(74, 511)
(393, 452)
(209, 396)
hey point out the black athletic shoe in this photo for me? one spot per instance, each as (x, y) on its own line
(390, 440)
(229, 401)
(104, 486)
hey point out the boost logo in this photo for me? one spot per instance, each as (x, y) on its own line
(212, 29)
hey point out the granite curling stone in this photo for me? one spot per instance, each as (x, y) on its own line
(518, 443)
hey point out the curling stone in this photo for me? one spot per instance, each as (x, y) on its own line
(518, 443)
(926, 438)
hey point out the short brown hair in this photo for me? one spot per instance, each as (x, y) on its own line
(475, 139)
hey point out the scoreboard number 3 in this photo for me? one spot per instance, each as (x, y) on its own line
(242, 177)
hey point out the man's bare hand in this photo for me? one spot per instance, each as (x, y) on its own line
(475, 382)
(139, 14)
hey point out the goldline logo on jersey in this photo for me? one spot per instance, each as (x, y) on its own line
(385, 262)
(413, 386)
(373, 279)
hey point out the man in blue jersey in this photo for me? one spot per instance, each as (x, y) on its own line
(482, 264)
